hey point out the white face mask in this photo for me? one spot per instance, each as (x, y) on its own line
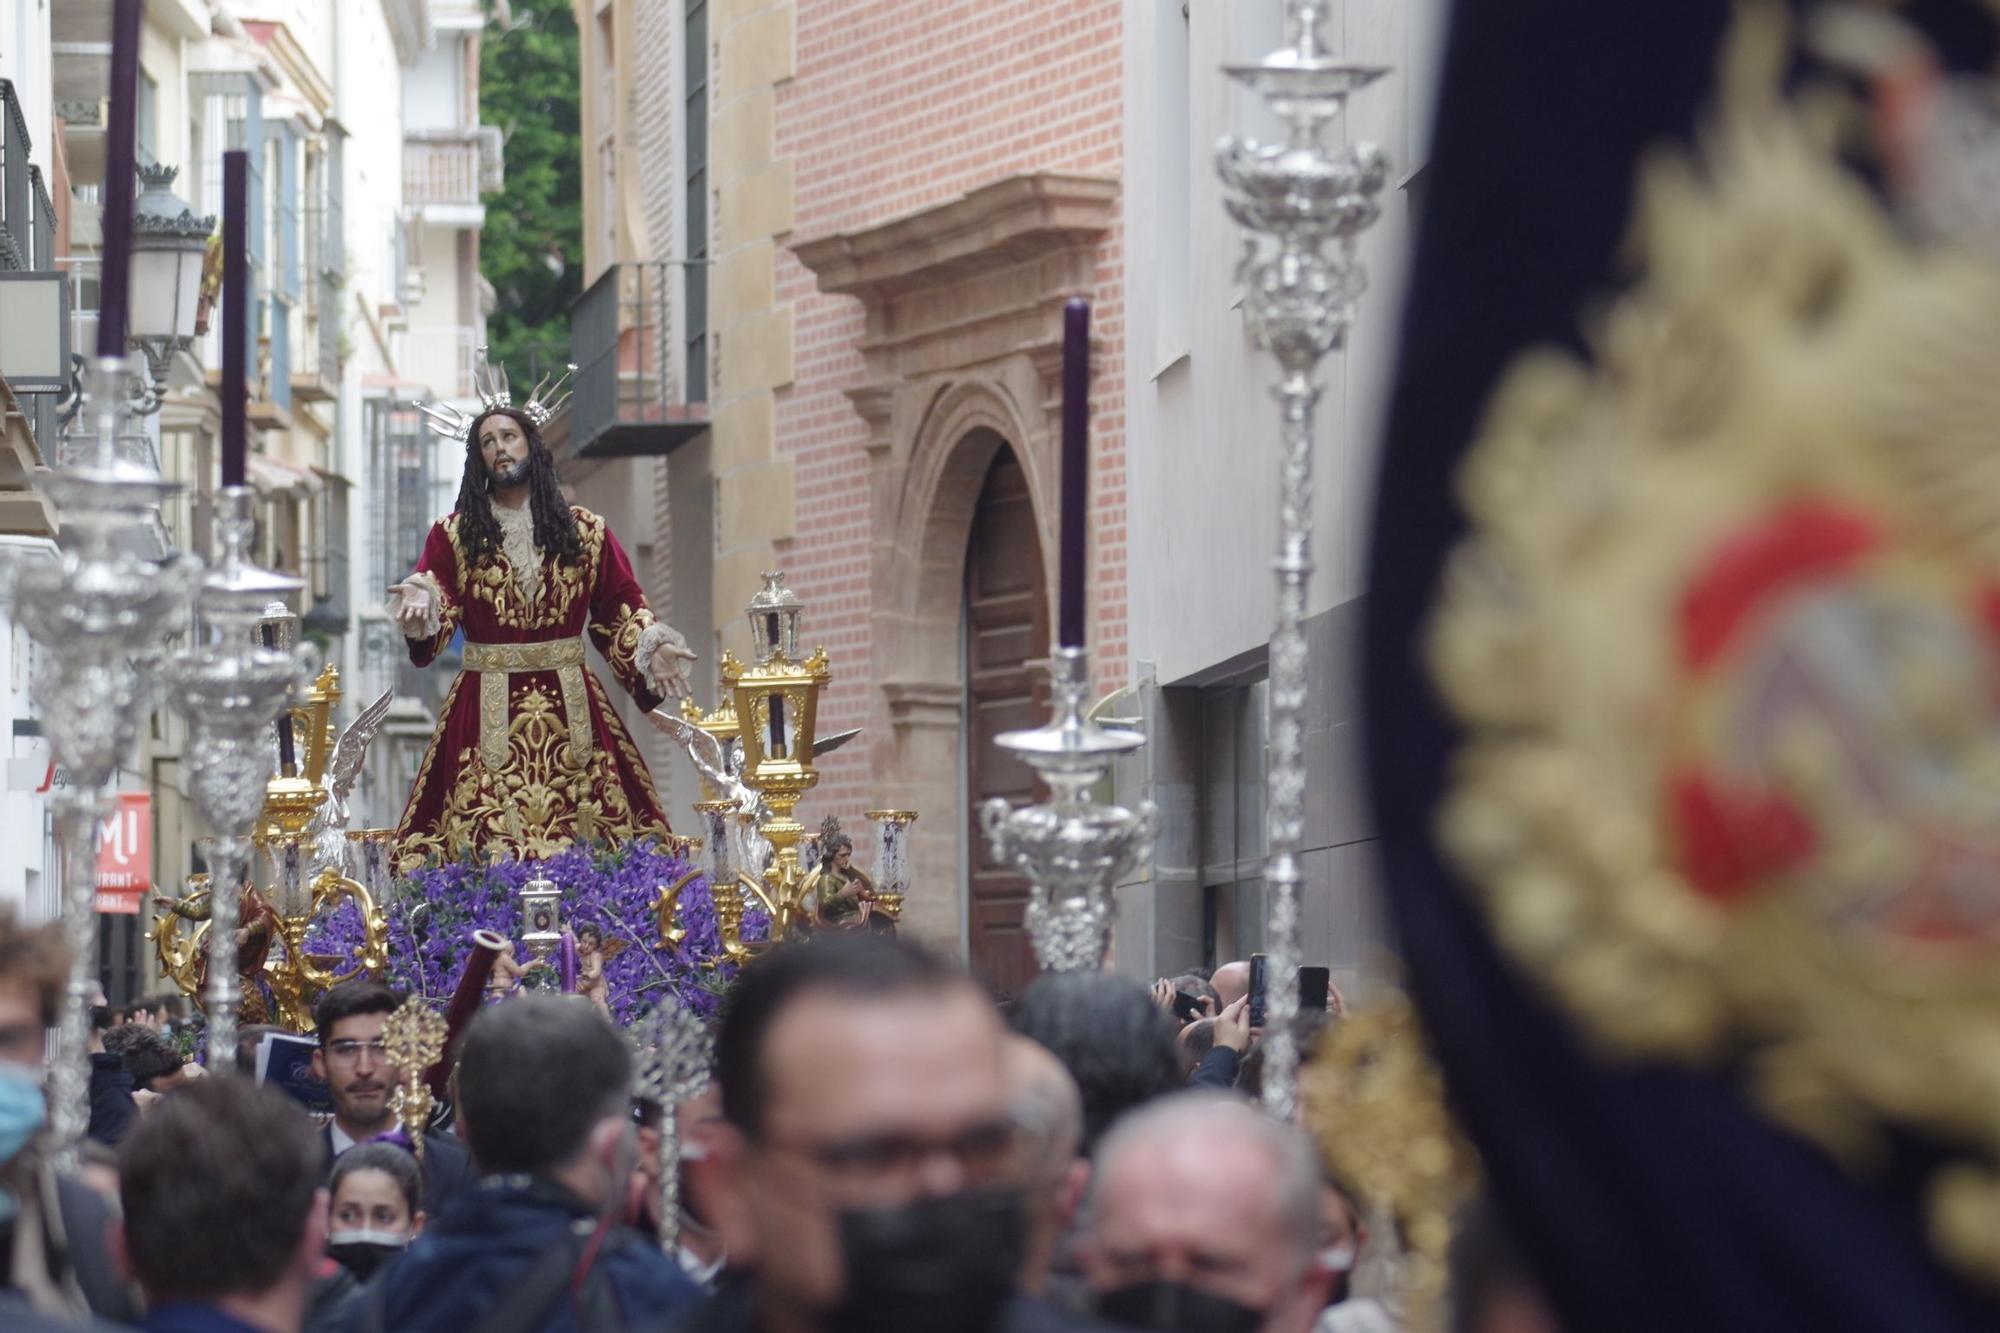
(366, 1236)
(1337, 1258)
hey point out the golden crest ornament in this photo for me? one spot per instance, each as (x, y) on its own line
(1376, 1103)
(1725, 641)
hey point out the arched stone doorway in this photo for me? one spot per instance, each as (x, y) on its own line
(1006, 689)
(962, 360)
(961, 465)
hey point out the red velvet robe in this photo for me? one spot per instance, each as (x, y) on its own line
(543, 798)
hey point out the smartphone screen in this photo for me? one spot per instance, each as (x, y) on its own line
(1313, 982)
(1187, 1008)
(1260, 975)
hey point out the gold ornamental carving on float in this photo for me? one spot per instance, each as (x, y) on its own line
(1376, 1102)
(1725, 639)
(277, 917)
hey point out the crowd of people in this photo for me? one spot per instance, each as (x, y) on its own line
(882, 1147)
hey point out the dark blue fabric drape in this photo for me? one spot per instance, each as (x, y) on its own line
(1647, 1199)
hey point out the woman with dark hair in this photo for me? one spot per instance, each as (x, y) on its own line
(374, 1207)
(528, 755)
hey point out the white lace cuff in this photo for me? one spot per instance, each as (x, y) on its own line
(646, 655)
(433, 604)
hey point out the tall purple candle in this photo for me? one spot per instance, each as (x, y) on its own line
(1075, 469)
(235, 315)
(120, 170)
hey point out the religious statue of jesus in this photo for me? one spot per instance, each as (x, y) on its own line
(528, 755)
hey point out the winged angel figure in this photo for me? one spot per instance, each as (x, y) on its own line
(327, 834)
(719, 770)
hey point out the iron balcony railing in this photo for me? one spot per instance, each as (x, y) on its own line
(17, 184)
(629, 397)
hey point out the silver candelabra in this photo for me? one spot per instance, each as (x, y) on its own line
(231, 689)
(1307, 202)
(671, 1065)
(1072, 848)
(100, 604)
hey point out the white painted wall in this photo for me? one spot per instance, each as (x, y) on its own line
(370, 108)
(1201, 427)
(27, 867)
(432, 90)
(28, 872)
(24, 58)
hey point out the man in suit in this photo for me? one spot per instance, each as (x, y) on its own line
(352, 1060)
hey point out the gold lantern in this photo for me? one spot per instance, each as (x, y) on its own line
(777, 713)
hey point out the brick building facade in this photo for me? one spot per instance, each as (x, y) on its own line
(903, 203)
(889, 205)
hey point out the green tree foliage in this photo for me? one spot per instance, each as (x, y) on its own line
(532, 247)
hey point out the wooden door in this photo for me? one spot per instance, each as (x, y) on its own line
(1007, 638)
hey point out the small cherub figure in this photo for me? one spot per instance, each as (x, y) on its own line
(592, 953)
(506, 976)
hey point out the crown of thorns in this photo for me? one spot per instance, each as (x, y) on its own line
(489, 383)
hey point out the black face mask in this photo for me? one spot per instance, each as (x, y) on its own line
(363, 1258)
(936, 1263)
(1170, 1305)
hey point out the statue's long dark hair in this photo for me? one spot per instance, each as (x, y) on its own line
(479, 528)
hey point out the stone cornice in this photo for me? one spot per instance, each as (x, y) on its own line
(410, 28)
(296, 64)
(995, 225)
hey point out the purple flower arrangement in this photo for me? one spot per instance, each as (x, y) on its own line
(613, 888)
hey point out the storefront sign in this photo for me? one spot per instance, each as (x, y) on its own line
(125, 855)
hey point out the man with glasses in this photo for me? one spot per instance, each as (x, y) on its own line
(867, 1174)
(354, 1064)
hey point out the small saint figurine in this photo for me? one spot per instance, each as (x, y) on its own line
(256, 931)
(843, 897)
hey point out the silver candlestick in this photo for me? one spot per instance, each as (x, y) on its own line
(92, 610)
(1072, 848)
(672, 1051)
(231, 689)
(1308, 201)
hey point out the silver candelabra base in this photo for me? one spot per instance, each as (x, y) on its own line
(231, 689)
(1073, 848)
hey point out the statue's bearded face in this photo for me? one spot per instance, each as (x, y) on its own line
(503, 449)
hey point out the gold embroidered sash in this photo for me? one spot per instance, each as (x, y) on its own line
(494, 662)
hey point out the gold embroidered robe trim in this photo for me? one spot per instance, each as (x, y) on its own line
(495, 663)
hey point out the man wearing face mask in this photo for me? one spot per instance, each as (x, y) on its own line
(542, 1242)
(1203, 1217)
(53, 1253)
(867, 1177)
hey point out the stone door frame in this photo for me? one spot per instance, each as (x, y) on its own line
(962, 350)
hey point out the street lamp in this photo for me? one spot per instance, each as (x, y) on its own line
(168, 246)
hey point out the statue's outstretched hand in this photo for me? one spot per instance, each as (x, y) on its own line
(414, 605)
(667, 667)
